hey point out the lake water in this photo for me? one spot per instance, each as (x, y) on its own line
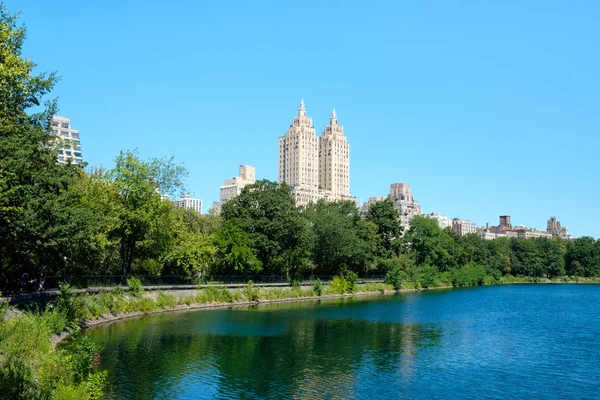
(517, 341)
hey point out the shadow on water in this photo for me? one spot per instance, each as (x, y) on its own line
(279, 350)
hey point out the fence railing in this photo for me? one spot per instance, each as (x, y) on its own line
(94, 281)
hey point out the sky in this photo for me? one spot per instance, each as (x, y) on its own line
(485, 108)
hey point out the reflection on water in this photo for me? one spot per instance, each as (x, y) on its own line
(438, 344)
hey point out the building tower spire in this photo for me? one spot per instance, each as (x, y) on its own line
(302, 110)
(333, 120)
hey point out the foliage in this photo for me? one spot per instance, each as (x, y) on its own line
(31, 368)
(396, 277)
(318, 287)
(251, 292)
(134, 286)
(338, 285)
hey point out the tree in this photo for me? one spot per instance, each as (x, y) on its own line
(278, 233)
(341, 238)
(234, 254)
(386, 218)
(583, 257)
(37, 220)
(141, 212)
(430, 244)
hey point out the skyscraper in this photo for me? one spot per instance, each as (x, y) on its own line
(67, 140)
(402, 197)
(334, 160)
(299, 158)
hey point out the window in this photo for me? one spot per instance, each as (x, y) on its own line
(64, 125)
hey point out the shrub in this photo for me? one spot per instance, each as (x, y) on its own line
(65, 303)
(135, 287)
(166, 300)
(251, 292)
(318, 287)
(352, 281)
(227, 296)
(396, 277)
(338, 285)
(427, 275)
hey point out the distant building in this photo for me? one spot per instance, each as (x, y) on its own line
(233, 187)
(443, 220)
(504, 225)
(526, 233)
(190, 203)
(67, 141)
(372, 200)
(463, 226)
(554, 228)
(402, 197)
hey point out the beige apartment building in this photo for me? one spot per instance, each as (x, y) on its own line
(315, 169)
(67, 142)
(334, 156)
(404, 203)
(463, 226)
(233, 187)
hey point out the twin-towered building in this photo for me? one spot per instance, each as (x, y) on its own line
(315, 167)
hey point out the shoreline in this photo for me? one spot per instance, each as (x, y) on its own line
(113, 318)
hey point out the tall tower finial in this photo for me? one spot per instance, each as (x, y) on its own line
(333, 120)
(302, 110)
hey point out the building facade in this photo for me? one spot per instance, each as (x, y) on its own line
(463, 226)
(315, 168)
(443, 221)
(67, 140)
(554, 228)
(334, 160)
(233, 187)
(189, 202)
(402, 197)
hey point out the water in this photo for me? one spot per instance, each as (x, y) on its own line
(519, 341)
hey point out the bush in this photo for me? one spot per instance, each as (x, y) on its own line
(338, 285)
(135, 287)
(165, 300)
(428, 275)
(396, 277)
(65, 303)
(351, 281)
(318, 287)
(251, 292)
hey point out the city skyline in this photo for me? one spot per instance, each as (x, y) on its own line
(480, 119)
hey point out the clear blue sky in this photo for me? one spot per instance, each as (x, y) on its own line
(485, 108)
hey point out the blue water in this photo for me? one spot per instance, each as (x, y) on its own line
(518, 341)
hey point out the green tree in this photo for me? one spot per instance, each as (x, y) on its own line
(234, 252)
(342, 239)
(142, 214)
(429, 244)
(386, 218)
(278, 233)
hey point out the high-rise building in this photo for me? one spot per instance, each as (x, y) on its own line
(67, 141)
(315, 169)
(404, 203)
(233, 187)
(334, 160)
(188, 202)
(299, 158)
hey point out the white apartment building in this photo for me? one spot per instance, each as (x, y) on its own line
(233, 187)
(443, 220)
(404, 203)
(315, 169)
(463, 226)
(67, 140)
(188, 202)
